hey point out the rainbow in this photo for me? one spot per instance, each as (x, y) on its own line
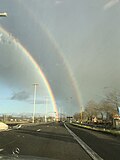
(37, 67)
(72, 77)
(60, 53)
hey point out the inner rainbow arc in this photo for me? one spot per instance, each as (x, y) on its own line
(37, 67)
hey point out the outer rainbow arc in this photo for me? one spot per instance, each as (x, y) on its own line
(74, 82)
(37, 68)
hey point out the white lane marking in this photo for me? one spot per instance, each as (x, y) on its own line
(1, 149)
(9, 129)
(5, 130)
(91, 153)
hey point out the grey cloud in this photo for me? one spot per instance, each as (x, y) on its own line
(20, 96)
(110, 4)
(40, 102)
(87, 38)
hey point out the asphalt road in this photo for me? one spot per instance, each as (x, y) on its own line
(105, 145)
(50, 140)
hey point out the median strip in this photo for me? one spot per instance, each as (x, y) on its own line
(89, 151)
(113, 132)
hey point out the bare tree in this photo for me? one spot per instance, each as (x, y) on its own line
(107, 108)
(91, 109)
(77, 116)
(113, 98)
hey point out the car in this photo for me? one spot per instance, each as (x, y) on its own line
(17, 126)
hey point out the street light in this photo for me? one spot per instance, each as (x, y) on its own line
(46, 109)
(34, 102)
(81, 114)
(3, 14)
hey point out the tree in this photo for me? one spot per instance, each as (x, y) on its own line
(113, 98)
(91, 109)
(107, 109)
(77, 116)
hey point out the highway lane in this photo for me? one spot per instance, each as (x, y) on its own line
(106, 146)
(51, 140)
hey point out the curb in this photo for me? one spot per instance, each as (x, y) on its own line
(113, 132)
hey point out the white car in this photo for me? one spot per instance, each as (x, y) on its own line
(17, 126)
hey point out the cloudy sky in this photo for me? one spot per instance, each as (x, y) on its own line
(76, 44)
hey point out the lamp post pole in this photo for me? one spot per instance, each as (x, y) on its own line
(34, 102)
(81, 115)
(46, 100)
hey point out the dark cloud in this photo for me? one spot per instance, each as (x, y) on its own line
(20, 96)
(87, 38)
(19, 73)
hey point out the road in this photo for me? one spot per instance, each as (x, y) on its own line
(106, 146)
(45, 140)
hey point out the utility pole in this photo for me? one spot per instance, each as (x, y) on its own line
(55, 117)
(81, 114)
(34, 102)
(3, 14)
(46, 100)
(59, 114)
(81, 117)
(62, 112)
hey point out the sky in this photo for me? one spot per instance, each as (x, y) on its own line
(76, 44)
